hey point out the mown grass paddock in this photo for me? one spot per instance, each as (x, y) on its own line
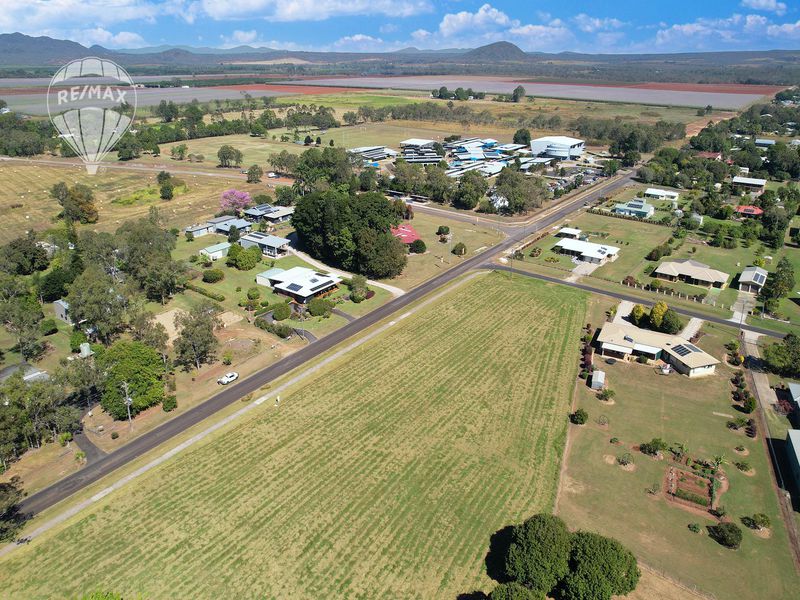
(384, 475)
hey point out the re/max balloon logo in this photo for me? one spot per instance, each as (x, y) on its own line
(91, 92)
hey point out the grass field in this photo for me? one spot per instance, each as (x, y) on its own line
(29, 185)
(382, 476)
(603, 496)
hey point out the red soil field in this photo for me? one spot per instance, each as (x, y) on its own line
(722, 88)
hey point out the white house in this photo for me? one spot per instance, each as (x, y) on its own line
(749, 184)
(300, 283)
(271, 245)
(558, 146)
(199, 229)
(588, 251)
(216, 251)
(569, 232)
(661, 194)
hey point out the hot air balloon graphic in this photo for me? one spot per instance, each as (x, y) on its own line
(91, 102)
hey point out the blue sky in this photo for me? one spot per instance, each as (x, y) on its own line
(379, 25)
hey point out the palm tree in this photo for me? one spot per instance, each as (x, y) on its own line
(717, 461)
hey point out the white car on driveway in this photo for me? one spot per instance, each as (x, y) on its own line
(228, 378)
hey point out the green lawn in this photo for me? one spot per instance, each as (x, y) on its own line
(384, 475)
(603, 496)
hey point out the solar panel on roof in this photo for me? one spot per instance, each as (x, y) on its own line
(692, 347)
(759, 278)
(294, 287)
(681, 350)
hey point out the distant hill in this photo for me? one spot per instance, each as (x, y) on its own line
(497, 52)
(19, 52)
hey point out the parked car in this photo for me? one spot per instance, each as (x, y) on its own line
(228, 378)
(272, 175)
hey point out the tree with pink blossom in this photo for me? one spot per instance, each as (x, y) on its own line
(235, 200)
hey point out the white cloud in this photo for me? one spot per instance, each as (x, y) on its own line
(359, 42)
(310, 10)
(589, 24)
(779, 8)
(487, 17)
(388, 28)
(32, 17)
(243, 37)
(786, 30)
(103, 37)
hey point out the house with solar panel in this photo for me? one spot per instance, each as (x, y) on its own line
(299, 283)
(628, 342)
(752, 279)
(270, 245)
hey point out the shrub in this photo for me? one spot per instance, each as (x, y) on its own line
(742, 465)
(213, 275)
(579, 417)
(606, 395)
(727, 534)
(417, 247)
(513, 591)
(76, 338)
(48, 327)
(227, 357)
(169, 403)
(189, 236)
(653, 447)
(614, 440)
(443, 230)
(319, 307)
(253, 293)
(204, 292)
(691, 497)
(279, 329)
(694, 527)
(114, 435)
(749, 404)
(281, 311)
(536, 252)
(459, 249)
(625, 459)
(64, 438)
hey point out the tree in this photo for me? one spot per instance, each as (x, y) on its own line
(77, 202)
(518, 94)
(235, 200)
(439, 187)
(379, 254)
(671, 322)
(538, 556)
(657, 314)
(243, 259)
(779, 285)
(472, 187)
(229, 156)
(417, 247)
(611, 167)
(97, 301)
(21, 315)
(23, 256)
(783, 357)
(460, 249)
(638, 315)
(522, 136)
(726, 534)
(579, 417)
(136, 366)
(179, 152)
(167, 190)
(514, 591)
(599, 568)
(196, 343)
(11, 519)
(281, 311)
(254, 174)
(144, 328)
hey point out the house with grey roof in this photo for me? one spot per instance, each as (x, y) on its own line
(752, 279)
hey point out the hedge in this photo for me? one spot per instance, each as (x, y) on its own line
(204, 292)
(213, 275)
(691, 497)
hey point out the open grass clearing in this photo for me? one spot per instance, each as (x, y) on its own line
(614, 501)
(352, 487)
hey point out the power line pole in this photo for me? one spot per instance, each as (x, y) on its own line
(128, 402)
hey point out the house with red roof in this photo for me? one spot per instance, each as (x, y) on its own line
(749, 211)
(405, 233)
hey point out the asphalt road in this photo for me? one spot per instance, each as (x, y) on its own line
(106, 464)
